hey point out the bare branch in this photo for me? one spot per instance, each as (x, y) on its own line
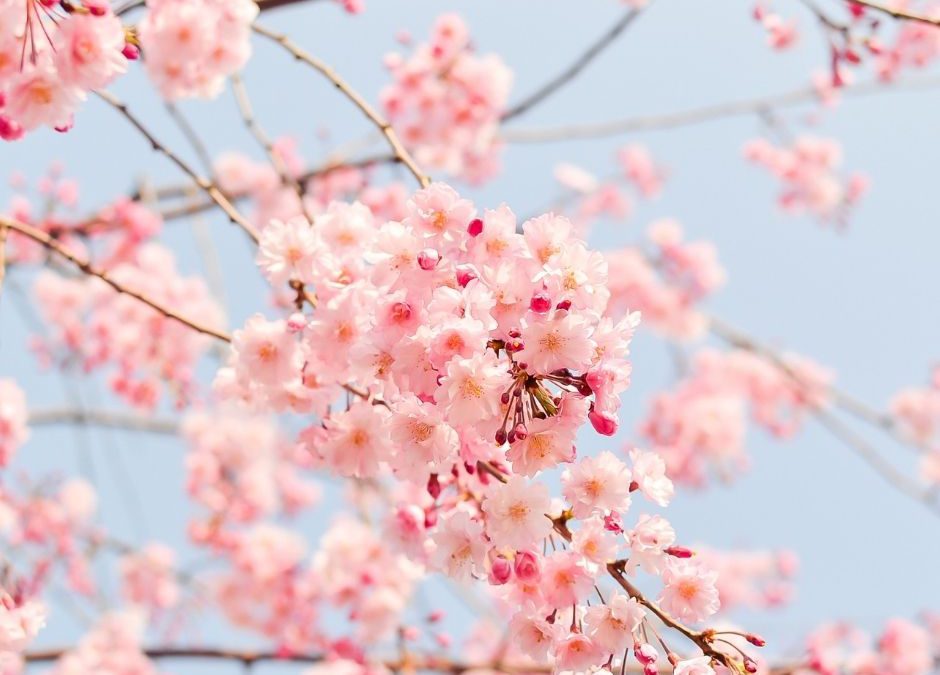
(113, 419)
(572, 71)
(701, 114)
(383, 125)
(204, 184)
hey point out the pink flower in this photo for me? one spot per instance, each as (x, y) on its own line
(149, 577)
(565, 580)
(577, 652)
(470, 390)
(459, 545)
(600, 483)
(89, 50)
(648, 542)
(265, 351)
(649, 473)
(39, 97)
(559, 342)
(424, 443)
(595, 542)
(20, 622)
(516, 513)
(286, 251)
(534, 636)
(700, 665)
(611, 625)
(357, 440)
(690, 593)
(13, 417)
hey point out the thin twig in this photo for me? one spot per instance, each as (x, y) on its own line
(572, 71)
(243, 101)
(86, 267)
(700, 114)
(204, 184)
(401, 154)
(112, 419)
(191, 136)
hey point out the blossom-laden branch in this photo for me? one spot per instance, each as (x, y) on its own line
(86, 267)
(898, 12)
(572, 71)
(384, 126)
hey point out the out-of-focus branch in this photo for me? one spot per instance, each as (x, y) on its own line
(207, 186)
(114, 419)
(398, 150)
(263, 5)
(243, 101)
(701, 114)
(86, 267)
(572, 71)
(898, 13)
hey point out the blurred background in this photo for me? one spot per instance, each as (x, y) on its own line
(863, 299)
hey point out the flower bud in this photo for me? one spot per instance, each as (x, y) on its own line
(515, 345)
(650, 669)
(500, 571)
(465, 275)
(612, 522)
(603, 423)
(645, 653)
(296, 322)
(750, 665)
(540, 303)
(526, 566)
(475, 228)
(755, 640)
(521, 432)
(131, 52)
(679, 552)
(434, 486)
(564, 305)
(428, 259)
(10, 130)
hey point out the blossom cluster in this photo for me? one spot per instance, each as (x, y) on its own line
(13, 430)
(917, 411)
(808, 175)
(701, 423)
(445, 102)
(51, 55)
(191, 46)
(143, 350)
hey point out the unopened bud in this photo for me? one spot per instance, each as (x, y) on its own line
(540, 303)
(296, 322)
(428, 259)
(501, 437)
(612, 523)
(500, 571)
(434, 486)
(603, 423)
(755, 640)
(750, 665)
(679, 552)
(515, 345)
(465, 275)
(527, 567)
(564, 305)
(131, 52)
(645, 653)
(650, 669)
(475, 228)
(521, 432)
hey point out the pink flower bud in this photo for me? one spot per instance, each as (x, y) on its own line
(521, 432)
(434, 486)
(475, 228)
(296, 322)
(603, 423)
(679, 552)
(526, 566)
(564, 305)
(435, 616)
(500, 571)
(428, 259)
(645, 653)
(612, 523)
(94, 7)
(750, 665)
(131, 52)
(465, 275)
(401, 312)
(410, 633)
(10, 130)
(755, 640)
(513, 346)
(540, 303)
(650, 669)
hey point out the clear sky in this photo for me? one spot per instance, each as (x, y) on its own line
(864, 301)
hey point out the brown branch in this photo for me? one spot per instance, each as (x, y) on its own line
(572, 71)
(86, 267)
(898, 13)
(204, 184)
(383, 125)
(114, 419)
(701, 114)
(263, 5)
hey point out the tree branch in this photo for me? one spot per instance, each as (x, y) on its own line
(114, 419)
(898, 13)
(574, 69)
(398, 150)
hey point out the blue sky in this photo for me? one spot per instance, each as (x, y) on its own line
(862, 301)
